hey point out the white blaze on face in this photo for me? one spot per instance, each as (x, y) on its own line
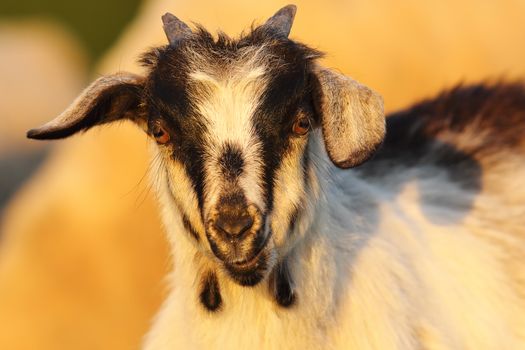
(227, 98)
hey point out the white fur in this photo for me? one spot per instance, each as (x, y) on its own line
(371, 271)
(225, 100)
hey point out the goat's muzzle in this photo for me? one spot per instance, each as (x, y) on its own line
(237, 236)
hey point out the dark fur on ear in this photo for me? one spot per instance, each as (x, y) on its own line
(281, 285)
(107, 99)
(352, 118)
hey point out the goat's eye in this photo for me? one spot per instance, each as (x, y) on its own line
(160, 133)
(301, 126)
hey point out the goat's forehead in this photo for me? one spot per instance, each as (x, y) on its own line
(228, 102)
(244, 75)
(230, 62)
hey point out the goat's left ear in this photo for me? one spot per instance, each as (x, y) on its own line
(352, 118)
(109, 98)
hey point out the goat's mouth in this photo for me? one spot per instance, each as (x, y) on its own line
(248, 272)
(247, 266)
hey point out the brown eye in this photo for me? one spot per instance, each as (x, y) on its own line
(160, 133)
(301, 126)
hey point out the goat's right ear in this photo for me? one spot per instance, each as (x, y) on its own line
(109, 98)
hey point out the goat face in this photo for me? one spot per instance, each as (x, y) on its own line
(238, 115)
(233, 121)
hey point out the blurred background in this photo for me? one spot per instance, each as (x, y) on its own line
(82, 254)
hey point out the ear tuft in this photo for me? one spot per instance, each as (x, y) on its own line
(352, 118)
(107, 99)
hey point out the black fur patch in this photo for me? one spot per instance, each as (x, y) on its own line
(293, 220)
(189, 227)
(210, 295)
(166, 95)
(496, 111)
(287, 95)
(231, 162)
(281, 285)
(306, 165)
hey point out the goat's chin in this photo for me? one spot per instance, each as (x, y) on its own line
(249, 273)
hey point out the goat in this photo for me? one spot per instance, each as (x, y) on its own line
(276, 245)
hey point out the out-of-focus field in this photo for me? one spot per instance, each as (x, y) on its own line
(82, 254)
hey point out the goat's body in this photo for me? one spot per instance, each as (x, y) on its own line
(423, 247)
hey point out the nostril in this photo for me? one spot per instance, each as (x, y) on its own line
(234, 225)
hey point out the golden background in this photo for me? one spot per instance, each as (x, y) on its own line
(82, 254)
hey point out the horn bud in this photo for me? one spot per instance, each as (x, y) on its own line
(174, 28)
(281, 22)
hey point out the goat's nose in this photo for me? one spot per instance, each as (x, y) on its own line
(234, 225)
